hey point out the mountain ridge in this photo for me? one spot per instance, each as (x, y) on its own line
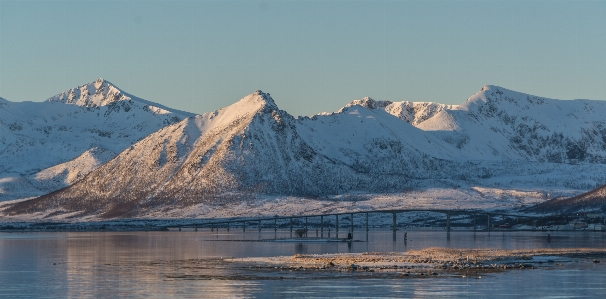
(36, 138)
(103, 93)
(498, 137)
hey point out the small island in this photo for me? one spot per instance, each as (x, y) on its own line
(427, 262)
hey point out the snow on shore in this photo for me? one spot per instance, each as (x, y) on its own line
(487, 199)
(424, 260)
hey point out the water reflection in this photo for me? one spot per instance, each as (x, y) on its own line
(163, 264)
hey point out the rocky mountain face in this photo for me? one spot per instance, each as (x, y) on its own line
(497, 138)
(500, 124)
(48, 145)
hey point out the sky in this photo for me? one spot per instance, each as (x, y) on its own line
(312, 56)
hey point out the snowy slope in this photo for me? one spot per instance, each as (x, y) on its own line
(47, 145)
(103, 93)
(497, 124)
(592, 201)
(498, 139)
(252, 147)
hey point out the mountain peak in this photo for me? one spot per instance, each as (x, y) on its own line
(102, 93)
(370, 103)
(100, 82)
(94, 94)
(257, 101)
(489, 87)
(493, 93)
(266, 97)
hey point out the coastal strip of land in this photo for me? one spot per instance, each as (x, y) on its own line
(430, 261)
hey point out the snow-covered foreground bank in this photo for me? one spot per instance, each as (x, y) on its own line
(474, 198)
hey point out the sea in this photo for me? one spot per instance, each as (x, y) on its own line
(188, 264)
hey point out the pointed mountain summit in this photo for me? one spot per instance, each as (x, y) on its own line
(98, 93)
(251, 104)
(246, 148)
(101, 93)
(48, 145)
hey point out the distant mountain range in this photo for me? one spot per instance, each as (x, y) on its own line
(120, 156)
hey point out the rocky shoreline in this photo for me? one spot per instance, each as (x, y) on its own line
(430, 261)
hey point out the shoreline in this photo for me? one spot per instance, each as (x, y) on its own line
(438, 262)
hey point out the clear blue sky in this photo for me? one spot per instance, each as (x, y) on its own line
(312, 56)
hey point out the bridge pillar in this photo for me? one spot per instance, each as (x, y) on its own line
(488, 226)
(474, 222)
(275, 224)
(291, 227)
(228, 226)
(352, 223)
(244, 226)
(259, 225)
(367, 222)
(212, 227)
(305, 226)
(448, 222)
(393, 226)
(337, 226)
(322, 226)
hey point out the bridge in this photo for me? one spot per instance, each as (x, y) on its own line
(229, 223)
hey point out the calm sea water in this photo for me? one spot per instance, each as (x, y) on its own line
(151, 264)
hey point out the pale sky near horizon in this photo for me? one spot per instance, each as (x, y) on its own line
(312, 56)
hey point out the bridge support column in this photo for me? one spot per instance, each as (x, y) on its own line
(322, 226)
(474, 222)
(291, 227)
(393, 226)
(367, 228)
(305, 227)
(212, 227)
(228, 226)
(488, 226)
(244, 226)
(259, 225)
(352, 223)
(448, 222)
(337, 226)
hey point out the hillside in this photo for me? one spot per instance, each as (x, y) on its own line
(592, 201)
(497, 139)
(45, 146)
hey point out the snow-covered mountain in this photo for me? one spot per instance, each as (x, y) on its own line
(48, 145)
(592, 201)
(497, 138)
(500, 124)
